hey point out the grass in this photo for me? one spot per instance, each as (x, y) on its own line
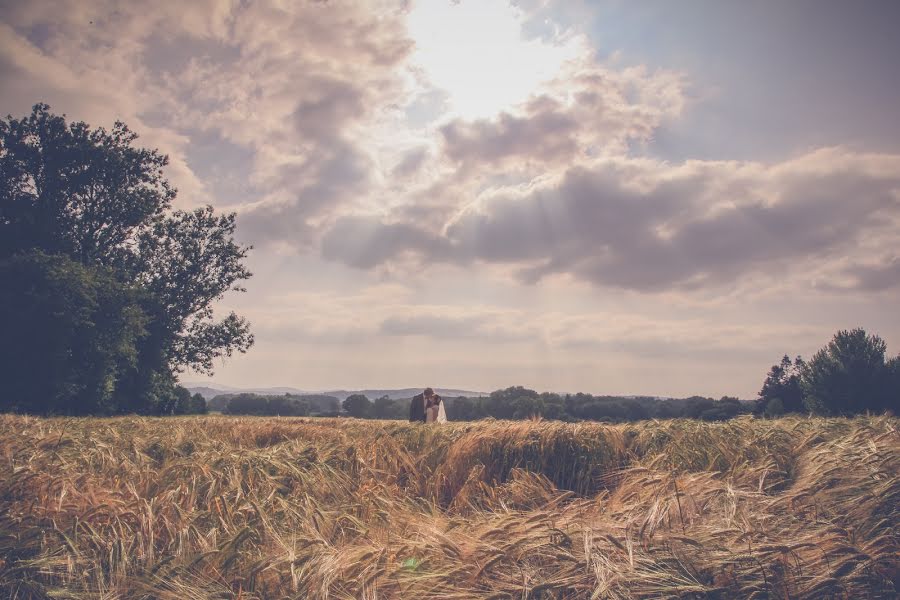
(219, 507)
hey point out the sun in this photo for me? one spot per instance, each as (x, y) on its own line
(477, 53)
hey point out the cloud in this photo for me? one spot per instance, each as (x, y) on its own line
(587, 110)
(648, 226)
(869, 277)
(310, 81)
(296, 85)
(547, 136)
(68, 76)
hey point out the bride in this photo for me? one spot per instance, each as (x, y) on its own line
(434, 410)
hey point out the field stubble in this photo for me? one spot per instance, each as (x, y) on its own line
(219, 507)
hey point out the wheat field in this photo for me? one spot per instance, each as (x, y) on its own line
(220, 507)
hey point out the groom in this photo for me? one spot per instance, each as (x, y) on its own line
(417, 405)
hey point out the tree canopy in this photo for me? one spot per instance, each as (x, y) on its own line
(84, 208)
(849, 375)
(783, 384)
(358, 405)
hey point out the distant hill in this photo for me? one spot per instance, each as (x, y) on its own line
(211, 391)
(207, 392)
(398, 394)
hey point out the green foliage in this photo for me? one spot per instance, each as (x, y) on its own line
(520, 403)
(70, 333)
(774, 408)
(186, 404)
(253, 404)
(285, 405)
(783, 383)
(67, 189)
(198, 405)
(848, 376)
(91, 197)
(463, 409)
(892, 400)
(359, 406)
(386, 408)
(186, 262)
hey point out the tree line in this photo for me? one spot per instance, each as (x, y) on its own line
(285, 405)
(850, 375)
(517, 402)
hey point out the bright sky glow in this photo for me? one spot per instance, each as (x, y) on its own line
(476, 52)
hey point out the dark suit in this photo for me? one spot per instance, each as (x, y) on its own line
(417, 408)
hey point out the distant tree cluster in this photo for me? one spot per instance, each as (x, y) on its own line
(359, 406)
(522, 403)
(107, 293)
(516, 403)
(187, 404)
(251, 404)
(287, 405)
(850, 375)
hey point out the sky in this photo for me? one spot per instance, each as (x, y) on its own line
(613, 197)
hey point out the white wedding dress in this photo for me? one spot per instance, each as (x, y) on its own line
(436, 414)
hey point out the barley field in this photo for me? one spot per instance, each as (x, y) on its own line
(252, 508)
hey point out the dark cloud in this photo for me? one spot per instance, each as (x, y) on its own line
(546, 136)
(331, 105)
(664, 227)
(876, 278)
(333, 172)
(316, 185)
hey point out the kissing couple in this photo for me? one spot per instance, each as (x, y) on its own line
(427, 407)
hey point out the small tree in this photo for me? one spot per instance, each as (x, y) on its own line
(358, 405)
(383, 406)
(847, 376)
(183, 402)
(198, 405)
(774, 408)
(783, 383)
(463, 409)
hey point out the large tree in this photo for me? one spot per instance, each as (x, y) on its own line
(847, 376)
(93, 196)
